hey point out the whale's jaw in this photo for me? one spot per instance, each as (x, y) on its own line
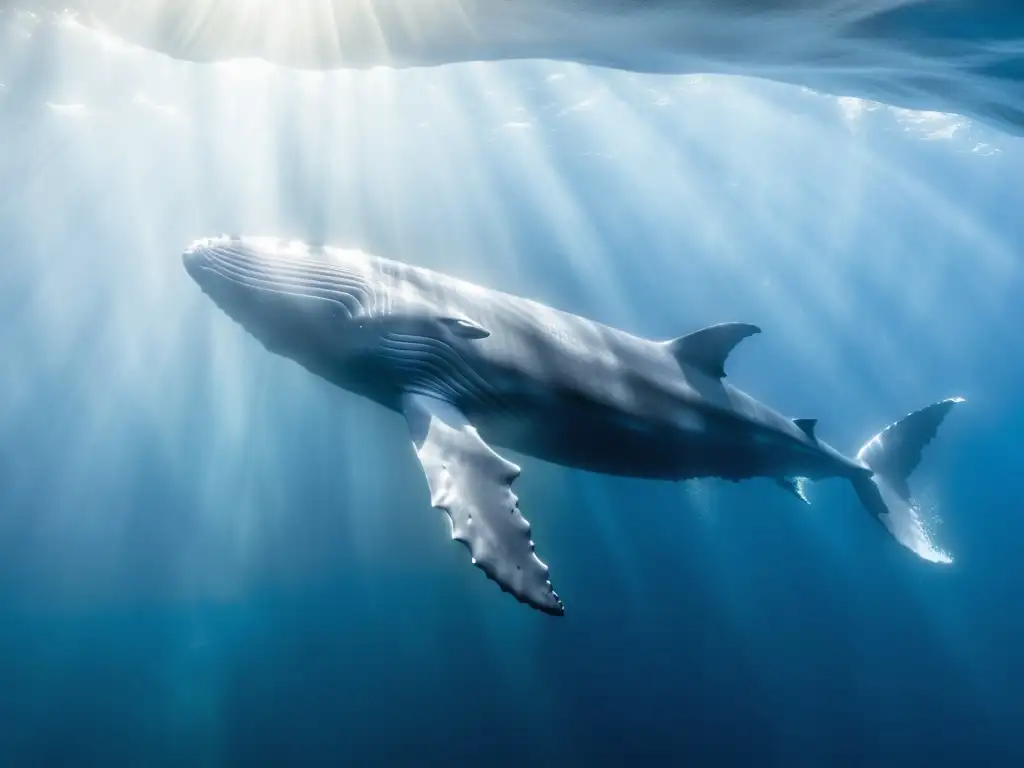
(294, 302)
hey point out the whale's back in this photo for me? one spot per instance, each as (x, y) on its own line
(542, 347)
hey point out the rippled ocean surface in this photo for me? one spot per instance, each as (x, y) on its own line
(209, 557)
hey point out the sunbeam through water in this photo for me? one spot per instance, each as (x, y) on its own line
(210, 557)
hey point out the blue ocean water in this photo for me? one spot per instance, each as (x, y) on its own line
(209, 557)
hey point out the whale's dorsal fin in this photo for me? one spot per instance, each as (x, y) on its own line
(708, 348)
(807, 426)
(473, 484)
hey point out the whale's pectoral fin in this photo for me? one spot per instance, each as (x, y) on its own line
(473, 484)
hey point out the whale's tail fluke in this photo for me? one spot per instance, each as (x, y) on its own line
(892, 455)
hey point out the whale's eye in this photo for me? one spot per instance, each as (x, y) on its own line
(467, 329)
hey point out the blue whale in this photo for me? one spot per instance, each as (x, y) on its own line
(470, 368)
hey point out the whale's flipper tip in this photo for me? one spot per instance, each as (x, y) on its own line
(794, 485)
(473, 484)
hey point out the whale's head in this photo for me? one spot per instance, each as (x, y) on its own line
(296, 299)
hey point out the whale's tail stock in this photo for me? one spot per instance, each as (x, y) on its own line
(892, 455)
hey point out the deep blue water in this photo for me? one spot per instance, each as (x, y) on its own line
(208, 557)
